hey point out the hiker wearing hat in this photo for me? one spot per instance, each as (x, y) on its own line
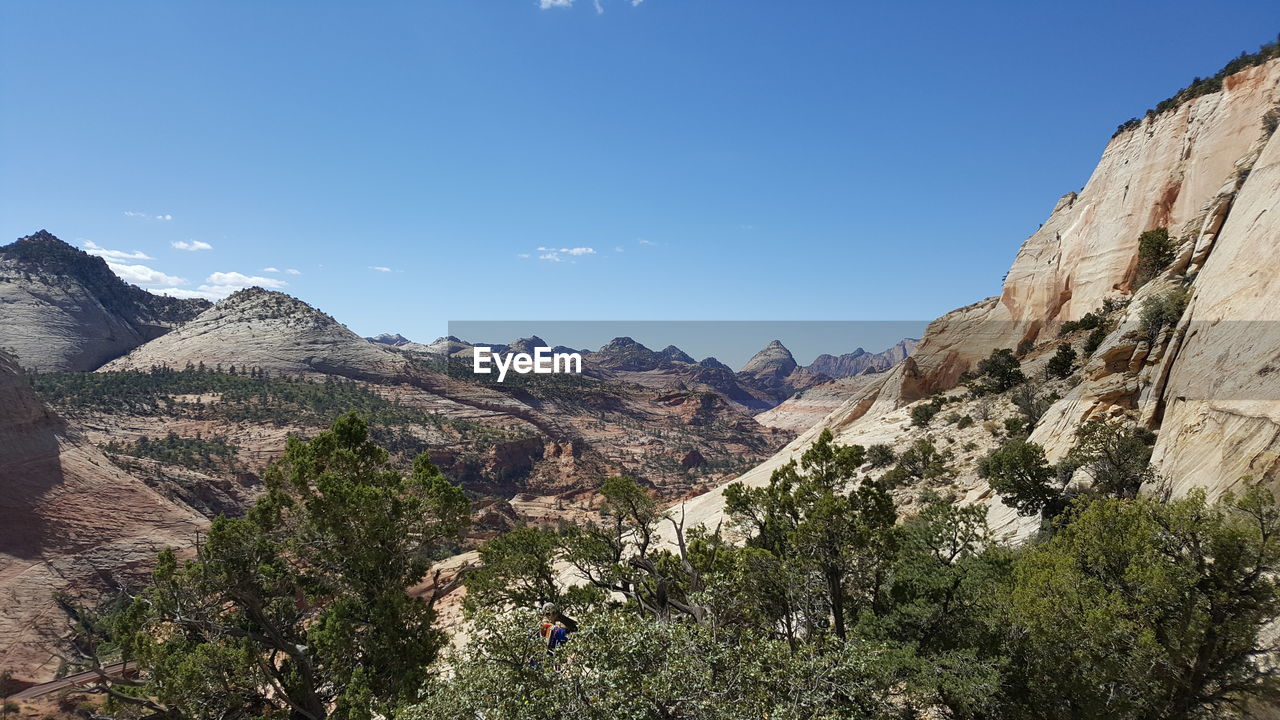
(556, 626)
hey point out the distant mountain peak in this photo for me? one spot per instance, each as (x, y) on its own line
(714, 364)
(269, 330)
(624, 353)
(774, 359)
(621, 344)
(65, 309)
(675, 354)
(392, 339)
(860, 361)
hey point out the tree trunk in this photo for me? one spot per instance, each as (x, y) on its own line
(835, 587)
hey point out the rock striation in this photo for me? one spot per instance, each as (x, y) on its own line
(70, 522)
(63, 309)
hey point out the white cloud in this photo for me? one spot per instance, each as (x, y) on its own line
(131, 213)
(192, 246)
(557, 254)
(642, 241)
(635, 3)
(221, 284)
(522, 255)
(570, 251)
(95, 249)
(182, 293)
(380, 268)
(274, 270)
(143, 275)
(599, 7)
(291, 271)
(618, 248)
(548, 4)
(240, 280)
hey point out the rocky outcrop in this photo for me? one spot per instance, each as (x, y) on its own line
(860, 361)
(270, 331)
(70, 522)
(63, 309)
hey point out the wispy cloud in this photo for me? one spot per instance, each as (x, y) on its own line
(240, 280)
(192, 246)
(523, 255)
(618, 248)
(143, 275)
(218, 285)
(149, 216)
(291, 271)
(380, 268)
(597, 4)
(272, 270)
(95, 249)
(552, 254)
(642, 241)
(185, 293)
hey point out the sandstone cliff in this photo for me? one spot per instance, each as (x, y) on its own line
(70, 521)
(63, 309)
(1208, 170)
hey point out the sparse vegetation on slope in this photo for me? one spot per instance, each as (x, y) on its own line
(193, 452)
(1203, 86)
(1155, 252)
(237, 394)
(1163, 311)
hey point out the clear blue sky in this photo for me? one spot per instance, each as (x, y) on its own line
(724, 159)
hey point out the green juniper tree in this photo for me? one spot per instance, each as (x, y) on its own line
(1141, 609)
(301, 609)
(814, 513)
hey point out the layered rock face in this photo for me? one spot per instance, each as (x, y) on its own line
(271, 331)
(809, 407)
(1221, 403)
(1162, 173)
(63, 309)
(1209, 171)
(70, 521)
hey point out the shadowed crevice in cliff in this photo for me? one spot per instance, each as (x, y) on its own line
(30, 464)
